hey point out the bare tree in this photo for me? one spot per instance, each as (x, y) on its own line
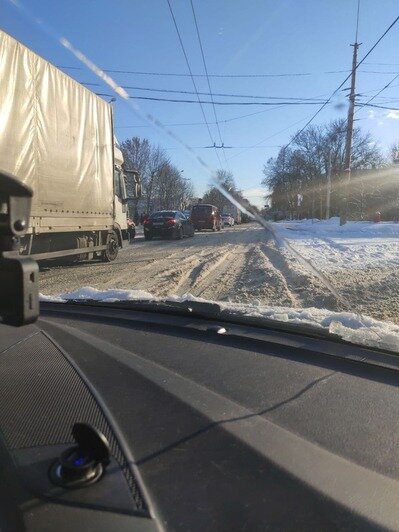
(162, 184)
(172, 190)
(158, 162)
(213, 194)
(300, 172)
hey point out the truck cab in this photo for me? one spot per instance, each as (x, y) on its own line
(123, 217)
(121, 213)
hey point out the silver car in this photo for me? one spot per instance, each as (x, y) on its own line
(227, 220)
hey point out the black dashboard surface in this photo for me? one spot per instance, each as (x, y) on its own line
(247, 430)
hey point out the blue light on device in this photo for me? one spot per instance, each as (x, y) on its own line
(79, 461)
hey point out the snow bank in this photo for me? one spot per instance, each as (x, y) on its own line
(333, 247)
(349, 326)
(332, 228)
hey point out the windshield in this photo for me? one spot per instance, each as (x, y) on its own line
(282, 115)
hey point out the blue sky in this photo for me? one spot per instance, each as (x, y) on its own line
(239, 37)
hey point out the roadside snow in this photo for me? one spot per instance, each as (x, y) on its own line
(353, 245)
(349, 326)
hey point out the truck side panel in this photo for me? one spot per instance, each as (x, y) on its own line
(56, 136)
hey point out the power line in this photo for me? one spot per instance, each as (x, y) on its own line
(378, 106)
(357, 19)
(383, 64)
(381, 90)
(211, 123)
(192, 77)
(243, 76)
(269, 137)
(377, 72)
(180, 75)
(375, 90)
(345, 80)
(208, 81)
(221, 147)
(221, 94)
(209, 102)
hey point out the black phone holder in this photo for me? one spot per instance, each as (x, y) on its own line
(19, 293)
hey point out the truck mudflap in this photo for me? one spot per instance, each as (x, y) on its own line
(118, 231)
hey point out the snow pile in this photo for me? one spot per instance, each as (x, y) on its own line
(349, 326)
(108, 296)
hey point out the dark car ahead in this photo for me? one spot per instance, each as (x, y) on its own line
(167, 224)
(205, 216)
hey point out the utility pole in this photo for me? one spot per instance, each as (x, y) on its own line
(349, 134)
(328, 186)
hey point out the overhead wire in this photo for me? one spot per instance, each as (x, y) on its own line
(224, 95)
(357, 20)
(380, 106)
(221, 94)
(378, 93)
(192, 78)
(208, 81)
(220, 147)
(211, 123)
(375, 90)
(210, 102)
(181, 75)
(383, 64)
(228, 76)
(259, 144)
(343, 83)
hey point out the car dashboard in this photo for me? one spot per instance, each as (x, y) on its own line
(211, 425)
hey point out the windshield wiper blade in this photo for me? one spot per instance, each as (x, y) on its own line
(197, 308)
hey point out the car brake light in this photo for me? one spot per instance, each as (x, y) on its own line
(170, 221)
(146, 222)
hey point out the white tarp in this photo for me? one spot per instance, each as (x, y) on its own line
(118, 155)
(55, 135)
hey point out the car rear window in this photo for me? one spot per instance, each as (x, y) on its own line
(163, 214)
(201, 209)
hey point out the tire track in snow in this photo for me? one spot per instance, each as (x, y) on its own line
(307, 290)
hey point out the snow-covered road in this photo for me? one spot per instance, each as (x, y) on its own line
(240, 264)
(244, 264)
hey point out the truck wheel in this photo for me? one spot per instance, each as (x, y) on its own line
(111, 252)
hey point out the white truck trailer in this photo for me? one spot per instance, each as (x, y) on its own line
(57, 137)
